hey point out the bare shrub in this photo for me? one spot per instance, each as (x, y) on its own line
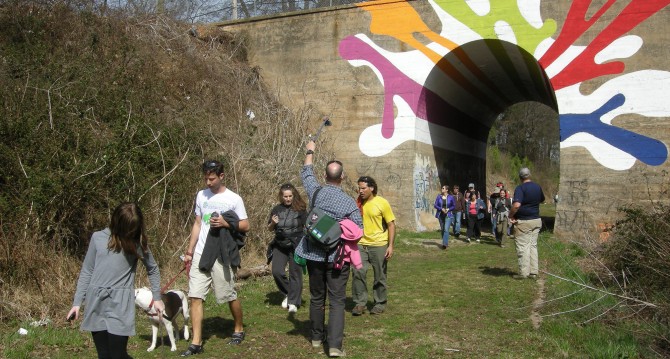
(638, 258)
(102, 109)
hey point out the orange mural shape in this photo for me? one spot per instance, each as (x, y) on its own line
(400, 20)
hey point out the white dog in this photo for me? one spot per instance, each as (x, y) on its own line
(175, 301)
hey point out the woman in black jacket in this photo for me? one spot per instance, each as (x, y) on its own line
(287, 220)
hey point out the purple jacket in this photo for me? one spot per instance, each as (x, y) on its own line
(450, 205)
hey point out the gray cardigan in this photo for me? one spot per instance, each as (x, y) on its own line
(107, 285)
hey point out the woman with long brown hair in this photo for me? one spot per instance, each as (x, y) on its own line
(107, 280)
(287, 220)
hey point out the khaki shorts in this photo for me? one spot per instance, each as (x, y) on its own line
(220, 279)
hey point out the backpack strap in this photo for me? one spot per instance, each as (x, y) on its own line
(311, 203)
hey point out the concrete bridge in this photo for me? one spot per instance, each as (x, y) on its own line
(413, 88)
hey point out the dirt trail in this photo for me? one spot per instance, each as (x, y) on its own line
(535, 316)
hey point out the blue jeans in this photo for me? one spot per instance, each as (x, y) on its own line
(494, 222)
(456, 222)
(445, 235)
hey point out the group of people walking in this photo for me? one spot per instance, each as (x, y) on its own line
(454, 207)
(106, 280)
(374, 219)
(517, 215)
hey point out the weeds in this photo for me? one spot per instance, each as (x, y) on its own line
(460, 303)
(102, 109)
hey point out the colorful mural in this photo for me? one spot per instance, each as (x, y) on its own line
(490, 55)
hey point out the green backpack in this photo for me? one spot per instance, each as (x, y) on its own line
(322, 229)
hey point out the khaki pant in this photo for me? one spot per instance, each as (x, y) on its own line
(525, 233)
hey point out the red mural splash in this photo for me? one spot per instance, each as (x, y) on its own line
(583, 67)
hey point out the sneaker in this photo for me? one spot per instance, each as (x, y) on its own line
(501, 245)
(292, 308)
(334, 353)
(284, 303)
(358, 310)
(532, 276)
(236, 338)
(519, 276)
(377, 310)
(193, 350)
(477, 240)
(443, 246)
(317, 343)
(467, 240)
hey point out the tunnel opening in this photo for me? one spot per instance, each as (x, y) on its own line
(467, 95)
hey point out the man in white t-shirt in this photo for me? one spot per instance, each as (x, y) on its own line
(218, 199)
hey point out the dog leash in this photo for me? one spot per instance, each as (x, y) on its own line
(165, 287)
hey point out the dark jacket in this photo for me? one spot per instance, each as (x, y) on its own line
(290, 228)
(223, 244)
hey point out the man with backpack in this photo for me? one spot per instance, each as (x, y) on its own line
(323, 277)
(376, 247)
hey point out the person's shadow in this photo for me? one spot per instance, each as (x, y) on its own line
(222, 328)
(274, 298)
(300, 327)
(497, 272)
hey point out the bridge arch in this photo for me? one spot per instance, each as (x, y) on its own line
(466, 91)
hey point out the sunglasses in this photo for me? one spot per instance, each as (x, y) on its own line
(211, 165)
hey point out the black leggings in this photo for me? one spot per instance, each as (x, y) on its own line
(110, 346)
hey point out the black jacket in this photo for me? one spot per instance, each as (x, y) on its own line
(223, 244)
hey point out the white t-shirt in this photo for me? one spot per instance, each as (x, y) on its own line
(207, 202)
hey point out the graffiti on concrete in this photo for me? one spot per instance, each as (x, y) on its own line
(426, 183)
(523, 55)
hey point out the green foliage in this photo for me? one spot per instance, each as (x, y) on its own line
(495, 159)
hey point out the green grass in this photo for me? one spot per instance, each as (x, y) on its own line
(459, 303)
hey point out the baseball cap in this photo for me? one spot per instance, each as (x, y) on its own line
(471, 185)
(524, 173)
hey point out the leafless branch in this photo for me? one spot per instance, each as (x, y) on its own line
(600, 290)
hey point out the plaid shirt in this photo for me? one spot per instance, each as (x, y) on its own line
(332, 200)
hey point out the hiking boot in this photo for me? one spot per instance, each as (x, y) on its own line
(358, 310)
(193, 350)
(377, 310)
(334, 353)
(443, 246)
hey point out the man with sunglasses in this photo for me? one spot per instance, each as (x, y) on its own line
(323, 278)
(212, 206)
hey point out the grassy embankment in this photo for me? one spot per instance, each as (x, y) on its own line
(460, 303)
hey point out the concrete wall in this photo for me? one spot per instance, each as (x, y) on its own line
(413, 87)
